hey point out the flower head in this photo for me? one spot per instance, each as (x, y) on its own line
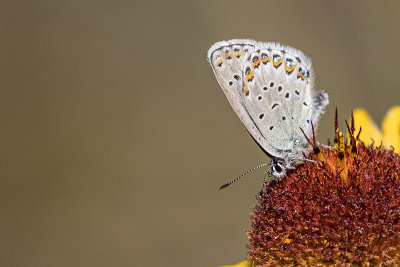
(343, 210)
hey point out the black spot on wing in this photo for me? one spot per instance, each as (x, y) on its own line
(274, 105)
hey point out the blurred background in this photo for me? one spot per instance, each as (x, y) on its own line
(115, 135)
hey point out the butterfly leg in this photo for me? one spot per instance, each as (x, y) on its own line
(326, 146)
(267, 173)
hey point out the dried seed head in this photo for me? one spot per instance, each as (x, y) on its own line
(345, 210)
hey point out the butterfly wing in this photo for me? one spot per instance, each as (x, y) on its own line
(278, 94)
(270, 87)
(227, 59)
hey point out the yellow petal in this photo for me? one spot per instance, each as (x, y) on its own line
(369, 130)
(241, 264)
(391, 128)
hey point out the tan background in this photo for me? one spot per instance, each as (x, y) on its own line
(115, 134)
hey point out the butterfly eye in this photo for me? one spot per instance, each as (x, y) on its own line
(277, 167)
(255, 59)
(276, 58)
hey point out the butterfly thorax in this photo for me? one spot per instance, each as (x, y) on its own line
(290, 160)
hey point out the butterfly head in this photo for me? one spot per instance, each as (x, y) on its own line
(278, 168)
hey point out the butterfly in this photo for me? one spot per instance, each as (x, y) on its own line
(270, 86)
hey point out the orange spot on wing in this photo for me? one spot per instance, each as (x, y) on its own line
(245, 89)
(250, 76)
(219, 63)
(278, 63)
(238, 54)
(300, 75)
(265, 60)
(229, 56)
(289, 70)
(256, 64)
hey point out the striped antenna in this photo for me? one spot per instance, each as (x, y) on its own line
(243, 174)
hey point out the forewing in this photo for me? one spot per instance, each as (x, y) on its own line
(227, 59)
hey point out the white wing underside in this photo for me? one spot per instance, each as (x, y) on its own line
(270, 87)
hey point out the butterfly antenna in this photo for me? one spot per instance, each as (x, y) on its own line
(243, 174)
